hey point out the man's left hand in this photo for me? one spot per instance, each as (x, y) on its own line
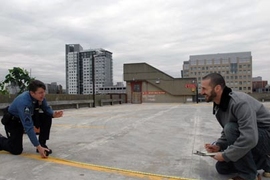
(58, 114)
(219, 157)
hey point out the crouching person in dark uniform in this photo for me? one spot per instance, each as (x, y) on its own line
(29, 109)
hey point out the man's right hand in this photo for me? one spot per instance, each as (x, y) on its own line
(42, 150)
(211, 148)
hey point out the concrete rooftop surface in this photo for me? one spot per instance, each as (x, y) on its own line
(122, 142)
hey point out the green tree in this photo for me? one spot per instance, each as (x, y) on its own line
(2, 88)
(17, 77)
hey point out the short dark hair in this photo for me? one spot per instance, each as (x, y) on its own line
(35, 84)
(215, 79)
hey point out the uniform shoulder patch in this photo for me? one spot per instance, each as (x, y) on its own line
(27, 110)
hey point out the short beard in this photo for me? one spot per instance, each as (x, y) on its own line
(212, 96)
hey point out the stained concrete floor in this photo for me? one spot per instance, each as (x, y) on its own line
(122, 142)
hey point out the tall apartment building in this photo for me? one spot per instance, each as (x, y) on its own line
(236, 68)
(79, 69)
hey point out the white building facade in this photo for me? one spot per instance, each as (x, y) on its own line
(79, 66)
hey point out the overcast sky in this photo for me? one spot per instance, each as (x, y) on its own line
(161, 33)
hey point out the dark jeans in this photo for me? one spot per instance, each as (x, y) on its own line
(14, 129)
(254, 160)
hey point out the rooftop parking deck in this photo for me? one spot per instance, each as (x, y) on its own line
(128, 141)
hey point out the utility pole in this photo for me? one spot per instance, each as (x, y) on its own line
(93, 78)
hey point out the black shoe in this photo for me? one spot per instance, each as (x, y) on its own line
(239, 178)
(0, 146)
(49, 152)
(266, 174)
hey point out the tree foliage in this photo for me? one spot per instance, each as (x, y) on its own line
(17, 77)
(2, 88)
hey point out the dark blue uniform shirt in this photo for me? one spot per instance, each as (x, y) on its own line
(23, 107)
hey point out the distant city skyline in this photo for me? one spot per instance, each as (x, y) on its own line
(162, 34)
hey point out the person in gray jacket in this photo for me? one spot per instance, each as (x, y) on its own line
(244, 145)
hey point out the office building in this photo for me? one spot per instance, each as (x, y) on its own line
(259, 85)
(79, 69)
(53, 88)
(236, 68)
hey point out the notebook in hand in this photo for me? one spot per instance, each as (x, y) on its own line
(200, 153)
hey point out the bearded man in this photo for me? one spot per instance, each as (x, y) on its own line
(244, 145)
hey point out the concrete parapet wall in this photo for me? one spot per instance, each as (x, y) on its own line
(261, 96)
(67, 101)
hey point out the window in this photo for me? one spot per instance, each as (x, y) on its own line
(244, 60)
(200, 62)
(209, 61)
(225, 61)
(136, 88)
(217, 61)
(193, 62)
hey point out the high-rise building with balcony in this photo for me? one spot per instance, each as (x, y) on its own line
(236, 68)
(79, 74)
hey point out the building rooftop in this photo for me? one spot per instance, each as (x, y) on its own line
(120, 142)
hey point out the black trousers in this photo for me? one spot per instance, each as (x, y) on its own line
(14, 129)
(254, 160)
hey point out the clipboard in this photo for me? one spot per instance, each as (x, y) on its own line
(200, 153)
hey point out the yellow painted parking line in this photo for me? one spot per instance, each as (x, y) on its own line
(105, 169)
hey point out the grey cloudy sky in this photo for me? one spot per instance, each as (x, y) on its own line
(161, 33)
